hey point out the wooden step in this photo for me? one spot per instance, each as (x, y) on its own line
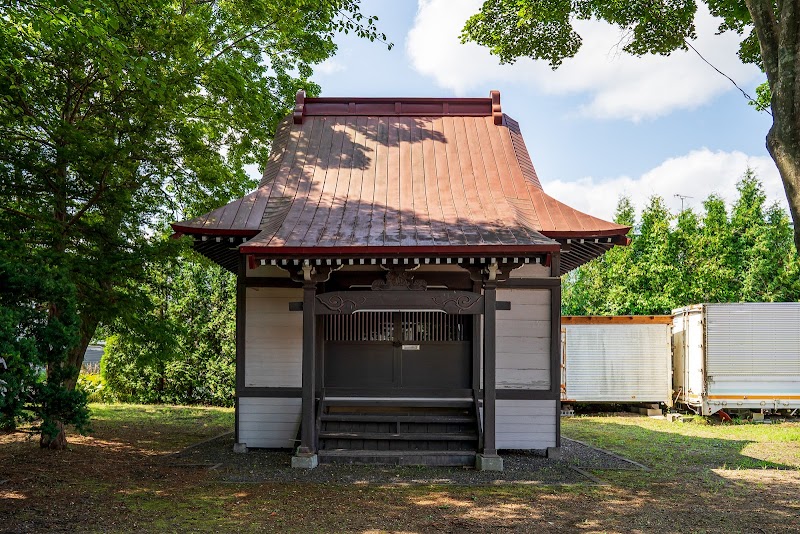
(430, 458)
(379, 418)
(413, 403)
(405, 436)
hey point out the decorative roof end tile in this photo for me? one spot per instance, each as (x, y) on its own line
(299, 105)
(497, 113)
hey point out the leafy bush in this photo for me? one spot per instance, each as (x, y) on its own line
(93, 386)
(181, 351)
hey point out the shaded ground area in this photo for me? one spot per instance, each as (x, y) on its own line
(123, 478)
(519, 467)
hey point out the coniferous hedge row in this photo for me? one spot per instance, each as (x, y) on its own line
(745, 255)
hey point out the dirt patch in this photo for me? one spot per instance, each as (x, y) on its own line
(123, 479)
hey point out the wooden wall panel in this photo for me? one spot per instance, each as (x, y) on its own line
(524, 312)
(526, 424)
(523, 378)
(273, 338)
(521, 327)
(268, 422)
(523, 340)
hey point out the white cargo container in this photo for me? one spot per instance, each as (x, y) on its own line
(617, 359)
(737, 356)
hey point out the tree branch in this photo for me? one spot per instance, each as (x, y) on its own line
(766, 27)
(21, 214)
(20, 135)
(235, 42)
(101, 188)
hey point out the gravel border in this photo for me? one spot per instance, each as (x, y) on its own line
(621, 463)
(520, 467)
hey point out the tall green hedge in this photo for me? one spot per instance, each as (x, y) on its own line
(745, 255)
(182, 349)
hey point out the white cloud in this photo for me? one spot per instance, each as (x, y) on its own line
(616, 84)
(696, 174)
(330, 66)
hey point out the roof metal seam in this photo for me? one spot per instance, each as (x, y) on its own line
(303, 141)
(304, 181)
(315, 226)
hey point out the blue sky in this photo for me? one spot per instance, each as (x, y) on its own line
(604, 124)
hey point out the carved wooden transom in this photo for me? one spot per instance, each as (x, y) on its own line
(397, 280)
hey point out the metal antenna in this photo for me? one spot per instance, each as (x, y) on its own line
(682, 197)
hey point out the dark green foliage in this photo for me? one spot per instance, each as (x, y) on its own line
(183, 350)
(744, 256)
(38, 326)
(544, 29)
(117, 117)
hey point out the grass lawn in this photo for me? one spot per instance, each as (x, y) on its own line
(704, 478)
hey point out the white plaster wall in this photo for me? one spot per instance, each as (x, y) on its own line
(530, 270)
(269, 422)
(273, 338)
(526, 424)
(272, 271)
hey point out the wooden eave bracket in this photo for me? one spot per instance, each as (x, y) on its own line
(493, 272)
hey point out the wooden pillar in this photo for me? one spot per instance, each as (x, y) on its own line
(241, 314)
(476, 346)
(489, 366)
(308, 441)
(555, 340)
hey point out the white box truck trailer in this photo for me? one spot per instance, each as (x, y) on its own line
(619, 359)
(737, 356)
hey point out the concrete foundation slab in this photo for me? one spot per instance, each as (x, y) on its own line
(554, 453)
(305, 461)
(240, 447)
(488, 463)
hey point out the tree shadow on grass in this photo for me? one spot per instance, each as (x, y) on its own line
(695, 483)
(110, 483)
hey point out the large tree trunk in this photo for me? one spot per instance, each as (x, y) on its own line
(777, 27)
(59, 442)
(75, 356)
(74, 359)
(786, 154)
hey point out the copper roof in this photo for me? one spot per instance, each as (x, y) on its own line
(406, 177)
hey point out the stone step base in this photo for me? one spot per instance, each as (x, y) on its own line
(429, 458)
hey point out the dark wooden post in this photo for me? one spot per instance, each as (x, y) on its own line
(308, 442)
(476, 346)
(489, 366)
(241, 314)
(555, 344)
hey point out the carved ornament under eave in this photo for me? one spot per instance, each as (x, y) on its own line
(399, 280)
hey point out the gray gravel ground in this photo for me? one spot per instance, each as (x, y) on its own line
(521, 467)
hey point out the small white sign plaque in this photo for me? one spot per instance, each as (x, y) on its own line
(410, 347)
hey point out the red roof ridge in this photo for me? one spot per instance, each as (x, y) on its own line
(398, 106)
